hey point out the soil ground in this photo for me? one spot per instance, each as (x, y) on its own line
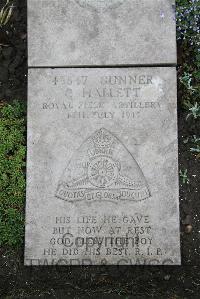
(171, 282)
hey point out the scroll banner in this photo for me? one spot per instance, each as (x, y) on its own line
(72, 195)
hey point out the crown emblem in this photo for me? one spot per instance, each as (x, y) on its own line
(102, 139)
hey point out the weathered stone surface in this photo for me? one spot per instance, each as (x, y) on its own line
(101, 32)
(102, 170)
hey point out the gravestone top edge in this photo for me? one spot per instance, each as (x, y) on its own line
(122, 33)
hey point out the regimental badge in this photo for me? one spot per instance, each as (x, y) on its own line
(99, 5)
(102, 169)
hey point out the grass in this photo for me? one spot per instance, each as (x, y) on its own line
(12, 174)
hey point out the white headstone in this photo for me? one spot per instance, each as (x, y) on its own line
(102, 167)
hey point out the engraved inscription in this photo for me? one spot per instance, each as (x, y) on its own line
(99, 5)
(102, 166)
(103, 169)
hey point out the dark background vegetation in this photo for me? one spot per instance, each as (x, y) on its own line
(171, 282)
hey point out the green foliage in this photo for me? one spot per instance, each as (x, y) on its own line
(12, 173)
(184, 176)
(186, 80)
(188, 20)
(5, 13)
(196, 145)
(190, 84)
(188, 35)
(195, 149)
(194, 110)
